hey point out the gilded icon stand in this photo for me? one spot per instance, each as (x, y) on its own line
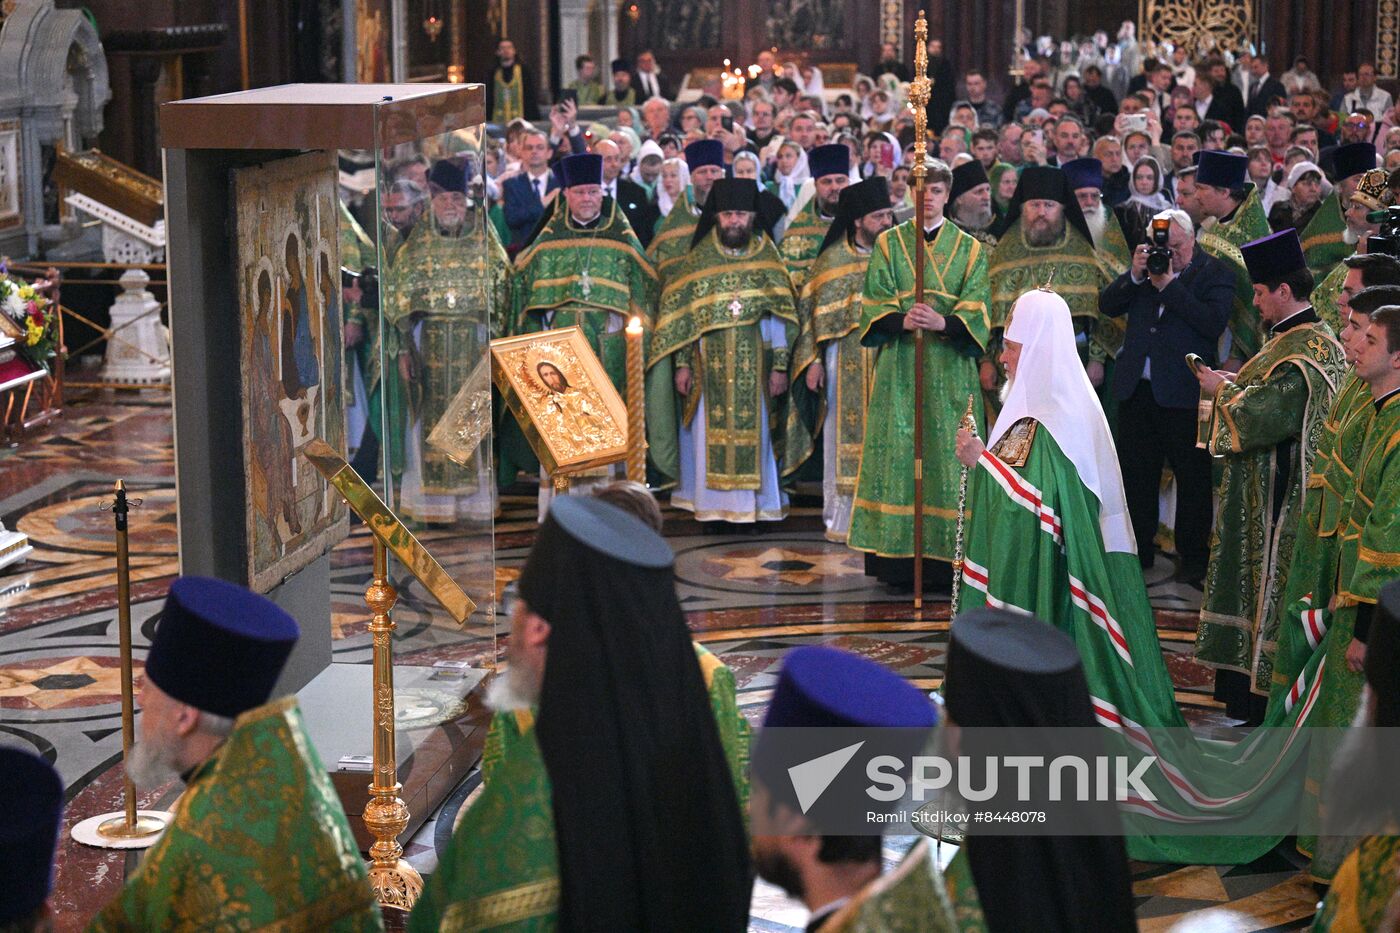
(396, 883)
(130, 829)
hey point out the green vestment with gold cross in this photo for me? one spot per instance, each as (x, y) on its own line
(829, 307)
(597, 279)
(1324, 238)
(955, 285)
(1080, 273)
(673, 234)
(452, 297)
(802, 241)
(712, 304)
(258, 841)
(1223, 240)
(501, 870)
(1277, 404)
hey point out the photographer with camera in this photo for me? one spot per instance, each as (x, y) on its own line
(1177, 299)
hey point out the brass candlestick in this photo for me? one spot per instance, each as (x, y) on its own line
(128, 829)
(396, 883)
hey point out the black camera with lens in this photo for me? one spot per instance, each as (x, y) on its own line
(1159, 254)
(1387, 238)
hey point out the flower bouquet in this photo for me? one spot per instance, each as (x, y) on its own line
(30, 318)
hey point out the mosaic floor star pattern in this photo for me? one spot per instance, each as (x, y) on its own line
(749, 599)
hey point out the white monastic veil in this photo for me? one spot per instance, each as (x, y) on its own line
(1051, 386)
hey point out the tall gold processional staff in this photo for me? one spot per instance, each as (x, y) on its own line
(919, 92)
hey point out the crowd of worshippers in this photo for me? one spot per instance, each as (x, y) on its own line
(620, 785)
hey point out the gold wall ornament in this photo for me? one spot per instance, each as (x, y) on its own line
(1388, 38)
(395, 882)
(567, 407)
(1199, 25)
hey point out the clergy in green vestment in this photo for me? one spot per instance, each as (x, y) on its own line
(1233, 216)
(831, 372)
(451, 297)
(510, 89)
(258, 839)
(1308, 626)
(954, 325)
(1266, 423)
(609, 801)
(1046, 237)
(1362, 813)
(1326, 240)
(970, 202)
(1049, 536)
(805, 233)
(840, 878)
(727, 323)
(704, 159)
(1372, 194)
(584, 267)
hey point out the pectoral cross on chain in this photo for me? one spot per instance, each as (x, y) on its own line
(585, 283)
(736, 307)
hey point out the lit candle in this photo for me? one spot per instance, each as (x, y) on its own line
(636, 417)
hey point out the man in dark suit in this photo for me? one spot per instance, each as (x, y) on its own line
(1264, 89)
(1183, 310)
(524, 195)
(647, 80)
(630, 197)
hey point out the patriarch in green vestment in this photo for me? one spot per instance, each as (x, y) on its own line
(1326, 239)
(831, 372)
(953, 319)
(1362, 811)
(1266, 424)
(28, 835)
(840, 878)
(727, 323)
(830, 166)
(585, 267)
(1232, 216)
(1049, 536)
(704, 159)
(1372, 194)
(258, 839)
(608, 803)
(451, 297)
(1045, 236)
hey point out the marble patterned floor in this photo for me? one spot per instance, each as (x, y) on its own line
(748, 598)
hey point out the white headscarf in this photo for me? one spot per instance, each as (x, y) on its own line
(816, 85)
(663, 200)
(1156, 201)
(757, 165)
(1051, 386)
(649, 148)
(1285, 191)
(789, 185)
